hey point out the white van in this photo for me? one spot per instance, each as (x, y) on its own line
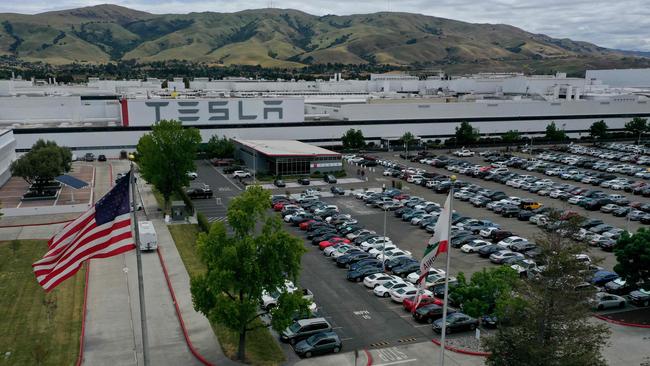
(147, 233)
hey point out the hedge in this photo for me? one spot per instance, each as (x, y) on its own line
(204, 224)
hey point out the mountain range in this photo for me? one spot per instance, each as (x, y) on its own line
(289, 38)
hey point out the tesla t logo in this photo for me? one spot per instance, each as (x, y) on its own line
(193, 111)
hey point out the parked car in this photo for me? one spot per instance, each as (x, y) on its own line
(328, 178)
(337, 190)
(455, 322)
(279, 183)
(89, 157)
(303, 181)
(101, 157)
(318, 344)
(203, 191)
(304, 328)
(429, 313)
(603, 300)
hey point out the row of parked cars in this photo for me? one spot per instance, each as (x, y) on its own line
(634, 154)
(373, 259)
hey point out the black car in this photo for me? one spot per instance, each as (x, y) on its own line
(199, 192)
(406, 269)
(640, 297)
(429, 313)
(525, 215)
(303, 181)
(359, 274)
(456, 322)
(619, 287)
(329, 178)
(487, 250)
(101, 157)
(279, 183)
(510, 211)
(337, 190)
(348, 259)
(89, 157)
(399, 261)
(489, 321)
(368, 262)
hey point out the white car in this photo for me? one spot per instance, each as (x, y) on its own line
(319, 211)
(400, 294)
(392, 254)
(343, 251)
(511, 240)
(379, 279)
(271, 299)
(192, 175)
(377, 249)
(474, 246)
(370, 243)
(502, 255)
(464, 153)
(413, 277)
(383, 290)
(487, 232)
(331, 249)
(241, 174)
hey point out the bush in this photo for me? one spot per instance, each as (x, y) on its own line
(203, 222)
(340, 174)
(398, 184)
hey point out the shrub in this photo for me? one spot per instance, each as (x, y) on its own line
(203, 222)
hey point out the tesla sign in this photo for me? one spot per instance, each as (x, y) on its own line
(215, 111)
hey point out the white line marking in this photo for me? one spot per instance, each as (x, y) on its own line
(405, 316)
(346, 339)
(336, 328)
(422, 325)
(396, 362)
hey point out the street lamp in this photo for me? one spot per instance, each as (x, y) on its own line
(383, 250)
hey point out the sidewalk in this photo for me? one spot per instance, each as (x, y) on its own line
(197, 325)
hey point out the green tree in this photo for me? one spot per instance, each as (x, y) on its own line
(511, 136)
(407, 139)
(637, 126)
(598, 130)
(166, 155)
(258, 256)
(466, 134)
(486, 288)
(633, 256)
(546, 320)
(353, 139)
(554, 134)
(220, 147)
(45, 161)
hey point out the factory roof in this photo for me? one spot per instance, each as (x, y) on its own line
(286, 148)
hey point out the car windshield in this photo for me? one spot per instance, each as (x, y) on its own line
(295, 327)
(314, 339)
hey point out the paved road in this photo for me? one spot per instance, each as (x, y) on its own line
(224, 189)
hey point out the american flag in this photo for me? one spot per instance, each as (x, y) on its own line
(102, 231)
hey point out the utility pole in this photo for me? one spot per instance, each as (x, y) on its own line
(383, 250)
(446, 301)
(143, 311)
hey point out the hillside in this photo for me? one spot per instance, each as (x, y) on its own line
(284, 38)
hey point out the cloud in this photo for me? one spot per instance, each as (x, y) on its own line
(620, 24)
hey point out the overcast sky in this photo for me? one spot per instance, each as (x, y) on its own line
(622, 24)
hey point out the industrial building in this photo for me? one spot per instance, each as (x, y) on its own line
(286, 157)
(7, 154)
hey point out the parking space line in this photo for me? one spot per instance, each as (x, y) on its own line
(225, 176)
(405, 316)
(346, 339)
(421, 325)
(396, 362)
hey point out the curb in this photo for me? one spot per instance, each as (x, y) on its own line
(618, 322)
(83, 319)
(42, 224)
(462, 351)
(369, 356)
(178, 313)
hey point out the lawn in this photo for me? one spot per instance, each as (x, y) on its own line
(261, 348)
(37, 328)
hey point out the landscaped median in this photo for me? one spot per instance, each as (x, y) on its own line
(261, 348)
(37, 328)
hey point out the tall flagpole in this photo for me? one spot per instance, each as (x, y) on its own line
(143, 311)
(444, 306)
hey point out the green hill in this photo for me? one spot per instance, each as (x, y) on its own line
(285, 38)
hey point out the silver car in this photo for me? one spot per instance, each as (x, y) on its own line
(603, 300)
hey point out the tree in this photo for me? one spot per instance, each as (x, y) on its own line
(637, 126)
(45, 161)
(511, 136)
(242, 265)
(546, 320)
(407, 138)
(466, 134)
(166, 155)
(353, 139)
(220, 147)
(633, 256)
(598, 130)
(554, 134)
(486, 288)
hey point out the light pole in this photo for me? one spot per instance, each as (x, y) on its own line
(383, 250)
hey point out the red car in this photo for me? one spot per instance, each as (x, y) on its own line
(278, 206)
(409, 302)
(333, 241)
(485, 168)
(401, 197)
(305, 224)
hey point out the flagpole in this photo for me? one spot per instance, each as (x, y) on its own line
(143, 311)
(446, 300)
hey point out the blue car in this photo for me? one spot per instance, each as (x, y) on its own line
(602, 277)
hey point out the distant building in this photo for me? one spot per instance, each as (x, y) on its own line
(7, 154)
(286, 157)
